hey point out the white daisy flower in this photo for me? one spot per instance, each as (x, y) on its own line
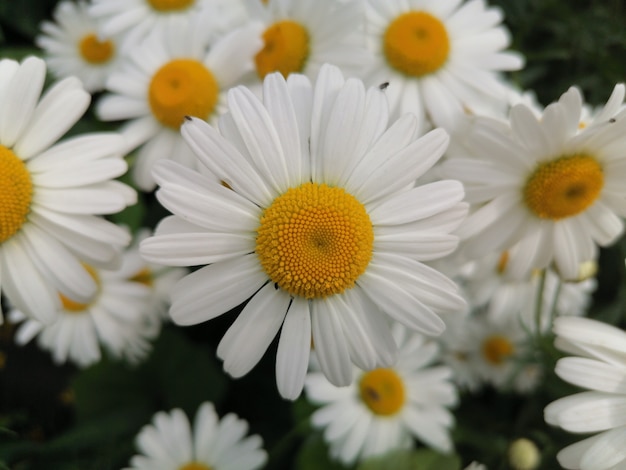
(554, 190)
(176, 72)
(385, 408)
(441, 58)
(600, 367)
(170, 443)
(318, 221)
(115, 318)
(72, 46)
(50, 193)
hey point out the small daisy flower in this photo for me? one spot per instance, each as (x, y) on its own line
(311, 211)
(176, 72)
(385, 408)
(598, 366)
(115, 318)
(170, 443)
(72, 46)
(440, 58)
(546, 185)
(51, 193)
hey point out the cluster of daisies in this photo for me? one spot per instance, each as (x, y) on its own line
(358, 173)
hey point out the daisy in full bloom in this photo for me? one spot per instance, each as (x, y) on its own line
(310, 208)
(51, 192)
(441, 58)
(170, 443)
(116, 318)
(552, 189)
(599, 365)
(178, 71)
(385, 408)
(72, 46)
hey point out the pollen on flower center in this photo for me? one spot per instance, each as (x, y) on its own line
(94, 51)
(182, 87)
(496, 349)
(72, 306)
(16, 193)
(563, 187)
(315, 240)
(416, 43)
(382, 391)
(195, 466)
(285, 50)
(170, 5)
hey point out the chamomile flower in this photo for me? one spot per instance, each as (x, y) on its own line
(385, 408)
(599, 367)
(115, 318)
(440, 58)
(548, 187)
(72, 46)
(170, 443)
(178, 71)
(51, 193)
(310, 211)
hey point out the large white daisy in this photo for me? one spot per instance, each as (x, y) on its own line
(178, 71)
(170, 443)
(385, 408)
(546, 185)
(49, 192)
(311, 211)
(440, 57)
(599, 365)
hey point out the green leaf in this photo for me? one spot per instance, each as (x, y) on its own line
(313, 455)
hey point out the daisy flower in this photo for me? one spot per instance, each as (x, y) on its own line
(170, 443)
(176, 72)
(441, 58)
(385, 408)
(546, 185)
(598, 366)
(310, 210)
(72, 46)
(50, 193)
(116, 318)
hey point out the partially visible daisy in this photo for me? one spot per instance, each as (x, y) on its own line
(440, 58)
(116, 318)
(548, 187)
(51, 193)
(176, 72)
(386, 408)
(170, 443)
(599, 365)
(72, 46)
(311, 213)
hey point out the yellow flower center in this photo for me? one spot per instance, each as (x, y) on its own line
(497, 349)
(182, 87)
(563, 187)
(382, 391)
(72, 306)
(315, 241)
(286, 49)
(416, 44)
(170, 5)
(16, 193)
(143, 277)
(195, 466)
(95, 51)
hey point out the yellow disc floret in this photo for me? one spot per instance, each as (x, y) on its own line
(563, 187)
(170, 5)
(72, 306)
(94, 51)
(497, 349)
(315, 240)
(285, 50)
(382, 391)
(182, 87)
(16, 193)
(195, 466)
(416, 44)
